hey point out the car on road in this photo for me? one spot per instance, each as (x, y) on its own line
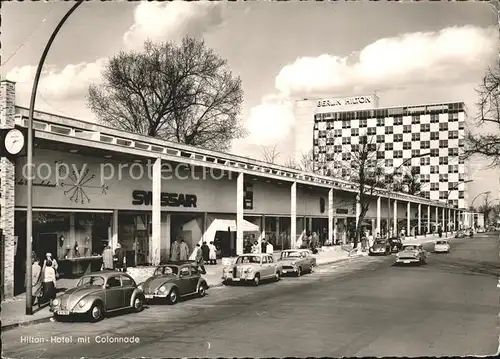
(442, 246)
(98, 294)
(173, 281)
(480, 230)
(380, 246)
(461, 233)
(251, 268)
(411, 254)
(396, 244)
(296, 262)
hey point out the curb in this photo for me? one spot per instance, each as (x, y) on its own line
(215, 285)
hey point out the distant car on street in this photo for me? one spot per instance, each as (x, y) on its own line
(442, 246)
(296, 261)
(411, 254)
(380, 247)
(99, 293)
(461, 233)
(480, 230)
(173, 281)
(251, 268)
(396, 244)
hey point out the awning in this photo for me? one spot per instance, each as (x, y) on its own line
(223, 225)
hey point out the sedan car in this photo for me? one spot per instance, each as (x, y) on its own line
(460, 233)
(173, 281)
(251, 268)
(396, 244)
(380, 246)
(411, 254)
(296, 262)
(441, 246)
(99, 293)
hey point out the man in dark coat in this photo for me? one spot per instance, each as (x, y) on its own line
(119, 255)
(199, 259)
(205, 251)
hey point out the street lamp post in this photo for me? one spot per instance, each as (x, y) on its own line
(472, 205)
(29, 161)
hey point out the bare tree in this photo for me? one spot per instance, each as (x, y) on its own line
(486, 208)
(411, 181)
(183, 93)
(487, 145)
(270, 154)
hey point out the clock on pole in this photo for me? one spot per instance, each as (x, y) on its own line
(13, 142)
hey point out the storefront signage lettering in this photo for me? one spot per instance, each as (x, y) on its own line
(342, 211)
(44, 183)
(166, 199)
(349, 101)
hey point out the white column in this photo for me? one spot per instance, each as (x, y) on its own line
(437, 217)
(293, 215)
(72, 238)
(278, 237)
(448, 223)
(419, 225)
(155, 254)
(204, 229)
(443, 219)
(330, 216)
(166, 230)
(239, 213)
(395, 219)
(114, 230)
(428, 219)
(455, 226)
(379, 215)
(408, 218)
(358, 210)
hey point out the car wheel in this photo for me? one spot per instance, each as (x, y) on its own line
(256, 280)
(201, 291)
(173, 296)
(299, 272)
(277, 276)
(138, 304)
(96, 312)
(225, 282)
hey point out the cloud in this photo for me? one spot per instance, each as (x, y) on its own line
(454, 55)
(156, 21)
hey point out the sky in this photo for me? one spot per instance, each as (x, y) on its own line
(409, 53)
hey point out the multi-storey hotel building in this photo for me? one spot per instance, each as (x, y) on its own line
(428, 138)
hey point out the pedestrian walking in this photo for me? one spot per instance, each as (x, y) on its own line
(48, 257)
(199, 259)
(183, 250)
(120, 258)
(440, 232)
(205, 251)
(269, 248)
(49, 284)
(263, 245)
(213, 253)
(175, 252)
(36, 280)
(107, 258)
(255, 247)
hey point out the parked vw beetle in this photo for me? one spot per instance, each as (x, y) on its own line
(396, 244)
(99, 293)
(173, 281)
(296, 261)
(380, 247)
(251, 268)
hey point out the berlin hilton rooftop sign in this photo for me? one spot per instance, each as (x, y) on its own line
(347, 103)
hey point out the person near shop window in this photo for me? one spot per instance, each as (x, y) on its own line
(120, 257)
(36, 280)
(263, 245)
(183, 250)
(205, 251)
(269, 248)
(213, 253)
(199, 259)
(49, 284)
(48, 257)
(107, 258)
(255, 247)
(175, 252)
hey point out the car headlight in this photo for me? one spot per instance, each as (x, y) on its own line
(162, 289)
(397, 254)
(82, 303)
(55, 302)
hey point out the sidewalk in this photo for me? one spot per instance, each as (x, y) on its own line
(13, 310)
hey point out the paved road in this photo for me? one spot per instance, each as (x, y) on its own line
(365, 308)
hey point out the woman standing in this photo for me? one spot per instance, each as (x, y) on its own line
(213, 253)
(49, 284)
(36, 280)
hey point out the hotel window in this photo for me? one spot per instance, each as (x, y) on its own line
(355, 132)
(434, 169)
(443, 160)
(415, 136)
(435, 118)
(443, 177)
(398, 120)
(443, 195)
(443, 126)
(380, 121)
(443, 144)
(380, 138)
(453, 117)
(425, 161)
(425, 145)
(346, 124)
(363, 123)
(434, 186)
(461, 194)
(315, 142)
(389, 130)
(461, 177)
(425, 194)
(452, 186)
(407, 129)
(435, 152)
(416, 169)
(415, 153)
(346, 156)
(389, 162)
(406, 145)
(380, 155)
(425, 127)
(461, 160)
(453, 169)
(461, 125)
(372, 147)
(389, 146)
(398, 137)
(372, 131)
(337, 133)
(346, 140)
(434, 135)
(453, 151)
(461, 142)
(453, 134)
(425, 178)
(354, 148)
(337, 149)
(415, 119)
(398, 154)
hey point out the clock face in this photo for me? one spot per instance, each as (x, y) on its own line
(14, 141)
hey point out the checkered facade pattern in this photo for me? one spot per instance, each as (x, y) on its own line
(397, 137)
